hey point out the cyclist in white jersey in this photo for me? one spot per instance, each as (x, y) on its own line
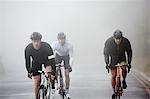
(63, 51)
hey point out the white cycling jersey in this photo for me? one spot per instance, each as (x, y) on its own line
(63, 50)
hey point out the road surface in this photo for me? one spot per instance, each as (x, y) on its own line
(83, 86)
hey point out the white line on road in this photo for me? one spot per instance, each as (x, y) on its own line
(19, 94)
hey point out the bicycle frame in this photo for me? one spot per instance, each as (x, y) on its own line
(119, 89)
(61, 80)
(45, 84)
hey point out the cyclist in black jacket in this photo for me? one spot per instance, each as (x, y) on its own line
(38, 53)
(115, 51)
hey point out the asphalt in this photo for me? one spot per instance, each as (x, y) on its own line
(83, 86)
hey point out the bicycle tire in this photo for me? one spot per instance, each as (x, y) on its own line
(118, 89)
(63, 95)
(119, 97)
(41, 93)
(48, 91)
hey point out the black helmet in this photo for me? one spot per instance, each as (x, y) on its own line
(118, 34)
(61, 35)
(36, 36)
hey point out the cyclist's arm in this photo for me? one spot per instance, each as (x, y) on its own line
(106, 53)
(27, 61)
(71, 55)
(129, 52)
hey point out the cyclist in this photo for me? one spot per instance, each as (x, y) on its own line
(63, 50)
(38, 53)
(117, 50)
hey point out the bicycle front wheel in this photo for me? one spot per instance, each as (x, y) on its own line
(119, 97)
(48, 91)
(63, 95)
(41, 93)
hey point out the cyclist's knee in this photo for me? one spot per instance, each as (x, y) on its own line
(37, 79)
(124, 71)
(114, 74)
(113, 77)
(48, 69)
(124, 68)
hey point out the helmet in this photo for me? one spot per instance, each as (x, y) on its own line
(36, 36)
(118, 34)
(61, 35)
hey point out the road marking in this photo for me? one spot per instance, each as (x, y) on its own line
(141, 82)
(20, 94)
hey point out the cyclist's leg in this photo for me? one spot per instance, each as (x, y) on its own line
(37, 80)
(50, 69)
(113, 79)
(51, 76)
(67, 72)
(124, 74)
(67, 78)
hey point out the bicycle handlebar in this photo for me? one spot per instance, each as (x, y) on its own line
(42, 72)
(120, 66)
(59, 65)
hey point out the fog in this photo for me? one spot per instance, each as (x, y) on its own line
(87, 25)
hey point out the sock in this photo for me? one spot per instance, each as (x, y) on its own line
(67, 90)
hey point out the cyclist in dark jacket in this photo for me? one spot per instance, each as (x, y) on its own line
(116, 49)
(36, 54)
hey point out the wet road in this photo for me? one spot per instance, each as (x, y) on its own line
(83, 86)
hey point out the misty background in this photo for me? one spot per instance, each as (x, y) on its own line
(87, 24)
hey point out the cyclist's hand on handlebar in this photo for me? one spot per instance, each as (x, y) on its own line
(70, 69)
(129, 67)
(107, 66)
(30, 75)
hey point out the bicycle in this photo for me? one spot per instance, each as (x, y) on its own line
(119, 87)
(44, 91)
(60, 81)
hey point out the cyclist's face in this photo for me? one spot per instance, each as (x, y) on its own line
(62, 41)
(36, 44)
(117, 40)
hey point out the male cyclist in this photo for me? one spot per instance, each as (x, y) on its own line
(38, 53)
(118, 50)
(63, 50)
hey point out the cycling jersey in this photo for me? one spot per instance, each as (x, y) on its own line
(63, 50)
(35, 58)
(117, 52)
